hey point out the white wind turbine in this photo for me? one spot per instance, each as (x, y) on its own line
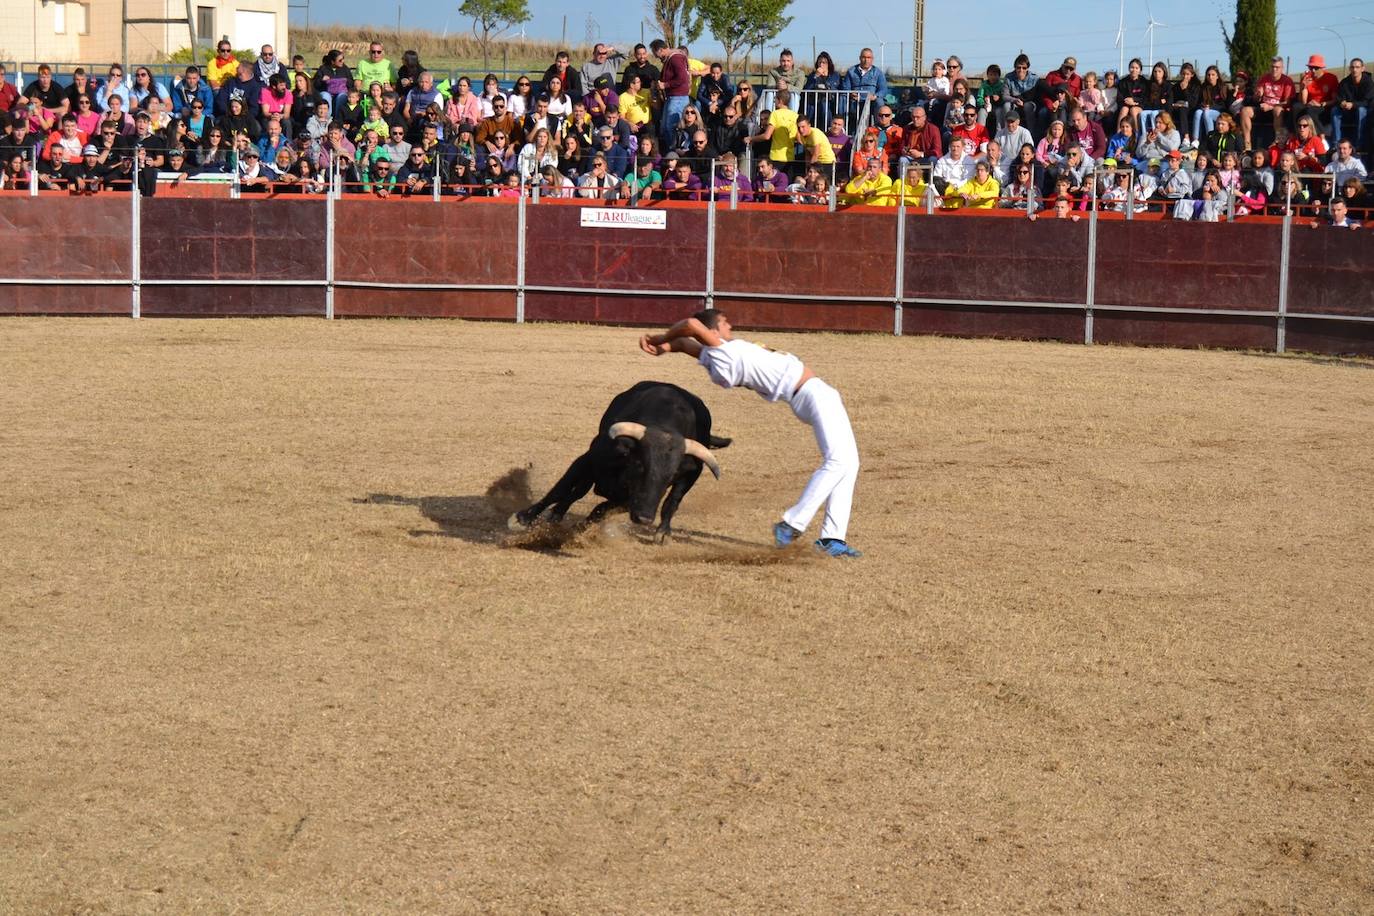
(1150, 31)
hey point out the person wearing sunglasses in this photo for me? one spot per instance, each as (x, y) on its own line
(375, 67)
(521, 98)
(223, 66)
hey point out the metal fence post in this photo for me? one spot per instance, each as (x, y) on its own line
(1281, 341)
(1090, 298)
(520, 260)
(711, 246)
(329, 256)
(899, 272)
(135, 247)
(1130, 194)
(438, 179)
(33, 174)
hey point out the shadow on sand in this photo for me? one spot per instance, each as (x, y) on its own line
(483, 520)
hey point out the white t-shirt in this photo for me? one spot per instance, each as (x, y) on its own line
(772, 374)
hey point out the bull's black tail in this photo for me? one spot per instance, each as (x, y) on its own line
(718, 442)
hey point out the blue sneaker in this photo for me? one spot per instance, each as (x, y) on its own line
(784, 534)
(834, 547)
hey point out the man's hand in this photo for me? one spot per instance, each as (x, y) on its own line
(646, 343)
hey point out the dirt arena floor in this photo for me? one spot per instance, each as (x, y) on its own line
(266, 645)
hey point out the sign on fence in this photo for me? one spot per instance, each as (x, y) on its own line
(604, 218)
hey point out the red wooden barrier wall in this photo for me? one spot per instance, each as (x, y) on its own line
(991, 274)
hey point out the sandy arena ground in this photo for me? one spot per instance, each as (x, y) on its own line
(265, 646)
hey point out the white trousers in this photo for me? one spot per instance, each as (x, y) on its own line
(819, 406)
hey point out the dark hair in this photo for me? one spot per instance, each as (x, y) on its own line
(1021, 59)
(658, 44)
(708, 317)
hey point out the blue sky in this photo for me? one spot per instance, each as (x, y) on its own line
(1055, 28)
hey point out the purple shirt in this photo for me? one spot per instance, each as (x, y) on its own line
(722, 186)
(768, 190)
(683, 190)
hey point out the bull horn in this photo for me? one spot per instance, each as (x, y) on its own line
(702, 454)
(626, 428)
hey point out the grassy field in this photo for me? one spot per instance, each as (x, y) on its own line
(267, 645)
(457, 50)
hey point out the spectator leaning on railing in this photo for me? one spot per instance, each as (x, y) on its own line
(1189, 141)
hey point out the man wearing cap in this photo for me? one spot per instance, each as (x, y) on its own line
(1065, 76)
(1317, 94)
(88, 175)
(1014, 135)
(18, 140)
(1175, 184)
(728, 177)
(1274, 96)
(601, 99)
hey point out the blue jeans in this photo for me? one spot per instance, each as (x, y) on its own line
(1147, 120)
(672, 114)
(1359, 112)
(1204, 122)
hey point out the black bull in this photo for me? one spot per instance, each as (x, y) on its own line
(653, 438)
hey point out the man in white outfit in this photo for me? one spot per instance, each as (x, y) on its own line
(776, 376)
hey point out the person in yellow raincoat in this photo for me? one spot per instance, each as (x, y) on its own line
(870, 187)
(978, 193)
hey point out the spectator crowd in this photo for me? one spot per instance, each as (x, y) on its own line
(657, 123)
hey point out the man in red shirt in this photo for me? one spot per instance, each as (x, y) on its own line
(975, 134)
(8, 94)
(1317, 92)
(1275, 93)
(1066, 75)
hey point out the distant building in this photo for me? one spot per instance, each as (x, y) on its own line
(88, 32)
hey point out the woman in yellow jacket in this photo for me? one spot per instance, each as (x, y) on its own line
(870, 187)
(978, 193)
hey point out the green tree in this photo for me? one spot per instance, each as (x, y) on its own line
(492, 17)
(1255, 39)
(679, 21)
(741, 25)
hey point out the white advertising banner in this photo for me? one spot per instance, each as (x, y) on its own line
(628, 218)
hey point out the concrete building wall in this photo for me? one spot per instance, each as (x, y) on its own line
(29, 29)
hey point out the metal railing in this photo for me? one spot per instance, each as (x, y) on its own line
(928, 204)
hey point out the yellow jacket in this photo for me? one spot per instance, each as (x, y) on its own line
(985, 194)
(216, 72)
(877, 193)
(634, 108)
